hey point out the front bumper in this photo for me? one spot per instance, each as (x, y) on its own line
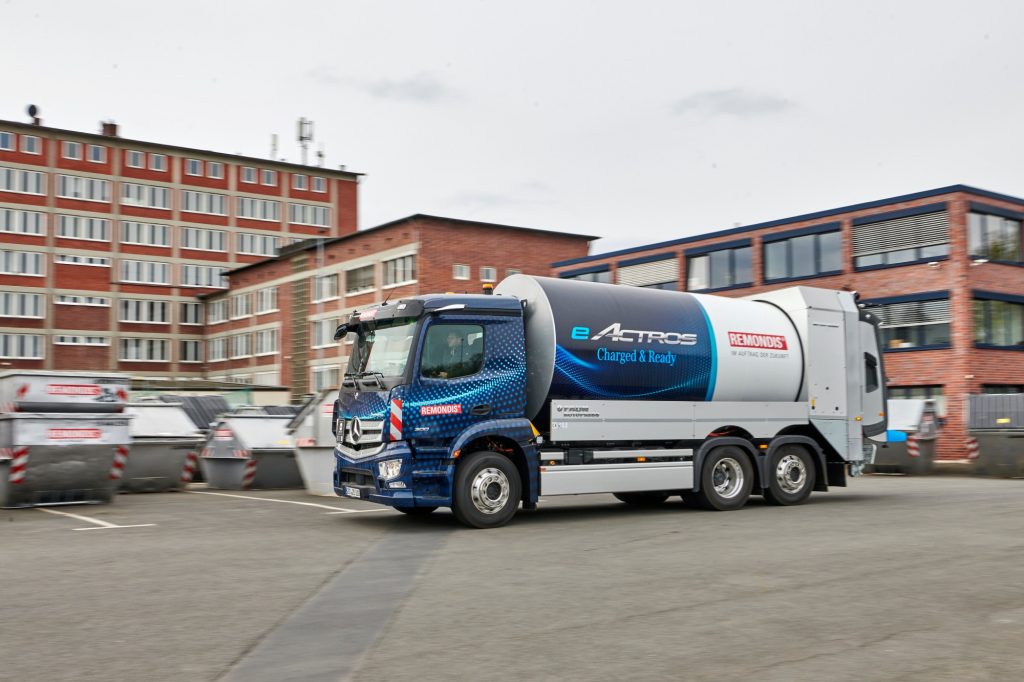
(423, 481)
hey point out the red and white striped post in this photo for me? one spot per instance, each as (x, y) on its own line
(249, 473)
(120, 459)
(19, 464)
(912, 447)
(189, 472)
(972, 449)
(396, 420)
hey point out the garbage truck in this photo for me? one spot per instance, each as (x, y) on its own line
(484, 403)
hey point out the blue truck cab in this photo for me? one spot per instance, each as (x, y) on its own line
(431, 379)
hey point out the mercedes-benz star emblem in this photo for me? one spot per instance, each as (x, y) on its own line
(356, 430)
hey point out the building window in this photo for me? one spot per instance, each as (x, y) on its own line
(488, 274)
(193, 167)
(6, 141)
(139, 310)
(144, 350)
(30, 144)
(21, 346)
(147, 234)
(215, 169)
(135, 159)
(202, 239)
(655, 272)
(97, 153)
(319, 184)
(145, 272)
(323, 333)
(881, 240)
(204, 276)
(241, 346)
(512, 271)
(808, 255)
(999, 323)
(21, 263)
(204, 202)
(325, 378)
(241, 306)
(325, 287)
(304, 214)
(85, 189)
(158, 162)
(79, 227)
(259, 209)
(217, 311)
(81, 340)
(1002, 388)
(359, 280)
(146, 196)
(75, 259)
(257, 244)
(935, 393)
(400, 271)
(16, 304)
(265, 342)
(71, 150)
(719, 269)
(300, 181)
(22, 222)
(191, 313)
(913, 324)
(22, 181)
(993, 237)
(270, 178)
(248, 174)
(266, 300)
(217, 349)
(70, 299)
(460, 271)
(191, 351)
(603, 275)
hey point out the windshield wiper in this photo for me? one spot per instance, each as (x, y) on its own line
(378, 376)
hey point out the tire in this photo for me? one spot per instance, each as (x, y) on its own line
(791, 476)
(487, 490)
(726, 479)
(644, 499)
(416, 511)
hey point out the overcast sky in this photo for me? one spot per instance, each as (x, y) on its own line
(638, 121)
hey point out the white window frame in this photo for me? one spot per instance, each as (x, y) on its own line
(80, 340)
(145, 196)
(206, 272)
(70, 149)
(22, 304)
(249, 175)
(37, 343)
(78, 299)
(324, 329)
(151, 267)
(300, 181)
(145, 233)
(15, 221)
(204, 202)
(267, 173)
(158, 163)
(194, 167)
(198, 345)
(217, 349)
(77, 259)
(184, 317)
(215, 170)
(319, 184)
(308, 214)
(143, 311)
(241, 306)
(238, 349)
(259, 342)
(23, 256)
(10, 137)
(102, 153)
(361, 290)
(132, 154)
(266, 300)
(253, 244)
(217, 311)
(461, 271)
(259, 209)
(16, 180)
(318, 289)
(399, 283)
(149, 344)
(81, 188)
(30, 144)
(206, 238)
(492, 276)
(81, 228)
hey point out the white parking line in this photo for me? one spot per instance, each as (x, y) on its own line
(334, 510)
(99, 525)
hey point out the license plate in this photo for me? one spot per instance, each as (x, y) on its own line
(353, 492)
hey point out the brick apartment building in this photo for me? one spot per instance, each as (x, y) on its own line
(276, 322)
(105, 242)
(943, 268)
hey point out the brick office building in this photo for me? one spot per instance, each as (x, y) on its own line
(105, 242)
(276, 322)
(944, 267)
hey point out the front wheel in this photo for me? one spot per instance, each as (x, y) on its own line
(726, 479)
(790, 475)
(487, 490)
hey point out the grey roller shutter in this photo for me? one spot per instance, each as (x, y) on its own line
(913, 313)
(928, 229)
(645, 274)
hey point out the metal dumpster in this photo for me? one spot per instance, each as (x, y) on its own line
(165, 448)
(61, 458)
(911, 439)
(995, 423)
(250, 450)
(314, 443)
(32, 391)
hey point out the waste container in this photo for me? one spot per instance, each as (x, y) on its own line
(32, 391)
(250, 450)
(165, 447)
(996, 423)
(911, 438)
(61, 458)
(314, 443)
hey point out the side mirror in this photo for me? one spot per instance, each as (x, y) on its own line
(341, 331)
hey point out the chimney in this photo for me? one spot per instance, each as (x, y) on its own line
(108, 128)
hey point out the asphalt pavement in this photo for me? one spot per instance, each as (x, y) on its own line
(893, 578)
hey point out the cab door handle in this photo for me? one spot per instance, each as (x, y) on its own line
(480, 410)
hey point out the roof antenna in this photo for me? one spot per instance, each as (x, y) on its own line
(386, 298)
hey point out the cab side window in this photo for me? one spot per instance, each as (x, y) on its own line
(451, 351)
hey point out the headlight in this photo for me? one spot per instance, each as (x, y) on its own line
(389, 468)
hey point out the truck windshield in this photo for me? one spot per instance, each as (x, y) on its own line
(382, 348)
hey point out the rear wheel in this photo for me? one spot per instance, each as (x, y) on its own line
(416, 511)
(645, 499)
(487, 490)
(725, 479)
(790, 475)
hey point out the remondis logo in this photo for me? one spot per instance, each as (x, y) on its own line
(615, 332)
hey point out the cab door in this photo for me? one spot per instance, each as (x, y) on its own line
(873, 392)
